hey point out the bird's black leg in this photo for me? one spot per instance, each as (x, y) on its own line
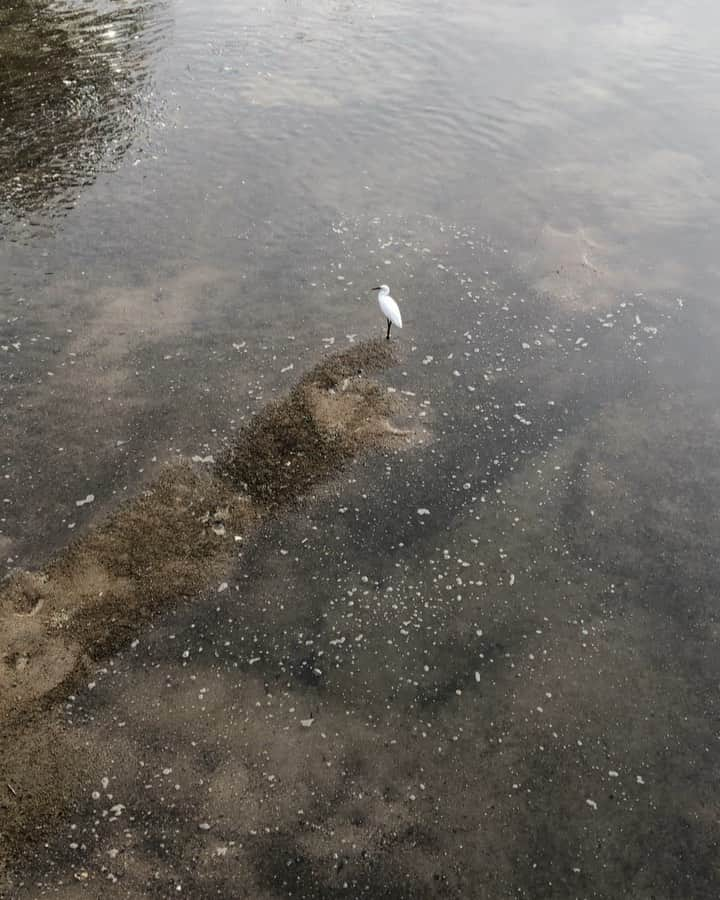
(387, 336)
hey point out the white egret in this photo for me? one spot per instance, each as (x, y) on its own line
(389, 308)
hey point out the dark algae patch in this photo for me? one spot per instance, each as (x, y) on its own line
(330, 414)
(164, 545)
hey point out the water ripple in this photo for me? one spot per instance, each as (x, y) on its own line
(73, 84)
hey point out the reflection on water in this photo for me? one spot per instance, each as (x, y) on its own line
(71, 82)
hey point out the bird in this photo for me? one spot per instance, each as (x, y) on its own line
(389, 308)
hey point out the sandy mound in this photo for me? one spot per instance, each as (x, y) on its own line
(330, 415)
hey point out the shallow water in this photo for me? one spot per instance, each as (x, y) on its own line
(503, 635)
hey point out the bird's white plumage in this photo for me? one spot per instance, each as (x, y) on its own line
(389, 307)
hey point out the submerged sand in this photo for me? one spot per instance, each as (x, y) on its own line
(88, 601)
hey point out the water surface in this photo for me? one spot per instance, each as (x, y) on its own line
(504, 635)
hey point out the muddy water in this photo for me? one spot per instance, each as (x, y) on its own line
(482, 664)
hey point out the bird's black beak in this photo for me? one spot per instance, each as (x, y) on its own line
(375, 289)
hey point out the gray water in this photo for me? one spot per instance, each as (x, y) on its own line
(196, 196)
